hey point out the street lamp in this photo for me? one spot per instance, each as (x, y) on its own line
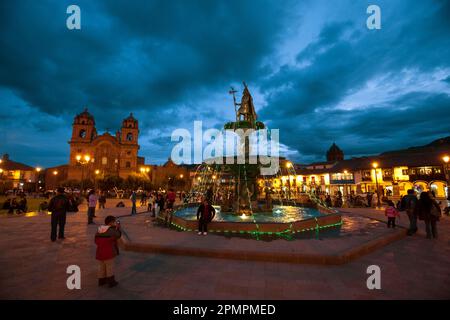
(345, 182)
(446, 159)
(82, 160)
(97, 172)
(375, 166)
(288, 166)
(38, 170)
(55, 173)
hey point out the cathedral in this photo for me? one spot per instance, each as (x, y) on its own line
(101, 155)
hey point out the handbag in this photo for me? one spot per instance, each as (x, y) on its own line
(435, 210)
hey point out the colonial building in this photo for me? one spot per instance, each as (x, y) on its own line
(420, 168)
(103, 154)
(172, 176)
(16, 175)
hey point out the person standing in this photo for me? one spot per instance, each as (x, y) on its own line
(205, 214)
(133, 199)
(171, 197)
(107, 249)
(143, 198)
(58, 206)
(369, 199)
(409, 203)
(391, 213)
(102, 201)
(92, 203)
(161, 202)
(429, 211)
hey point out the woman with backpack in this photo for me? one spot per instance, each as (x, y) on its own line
(429, 211)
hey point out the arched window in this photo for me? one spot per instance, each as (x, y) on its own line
(104, 161)
(129, 136)
(82, 133)
(128, 164)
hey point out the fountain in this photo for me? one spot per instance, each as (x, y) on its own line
(245, 201)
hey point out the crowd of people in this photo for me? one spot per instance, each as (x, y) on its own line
(424, 207)
(16, 205)
(159, 204)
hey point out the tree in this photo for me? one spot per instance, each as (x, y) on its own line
(110, 182)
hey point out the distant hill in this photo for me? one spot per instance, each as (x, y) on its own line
(439, 145)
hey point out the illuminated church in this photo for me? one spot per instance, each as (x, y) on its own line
(103, 154)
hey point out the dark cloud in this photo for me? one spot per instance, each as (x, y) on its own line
(171, 62)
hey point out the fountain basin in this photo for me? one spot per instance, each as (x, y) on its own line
(283, 219)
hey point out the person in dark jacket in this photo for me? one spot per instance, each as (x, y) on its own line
(205, 214)
(428, 210)
(408, 204)
(58, 206)
(107, 249)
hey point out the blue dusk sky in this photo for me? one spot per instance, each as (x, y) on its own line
(315, 70)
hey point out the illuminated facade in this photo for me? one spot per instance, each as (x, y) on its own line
(422, 169)
(15, 175)
(104, 154)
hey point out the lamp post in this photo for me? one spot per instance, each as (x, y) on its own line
(446, 159)
(82, 161)
(288, 166)
(375, 166)
(38, 170)
(97, 172)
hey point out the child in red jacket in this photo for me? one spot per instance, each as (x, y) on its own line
(391, 213)
(107, 249)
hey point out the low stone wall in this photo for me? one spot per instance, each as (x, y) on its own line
(327, 220)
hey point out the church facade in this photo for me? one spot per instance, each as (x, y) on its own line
(93, 155)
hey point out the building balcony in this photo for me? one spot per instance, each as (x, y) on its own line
(426, 177)
(350, 181)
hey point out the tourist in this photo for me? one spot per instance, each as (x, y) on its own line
(151, 203)
(428, 210)
(13, 205)
(369, 199)
(107, 249)
(102, 201)
(391, 213)
(205, 214)
(92, 203)
(408, 203)
(161, 202)
(143, 198)
(210, 194)
(58, 206)
(375, 199)
(22, 205)
(43, 206)
(171, 197)
(328, 201)
(133, 202)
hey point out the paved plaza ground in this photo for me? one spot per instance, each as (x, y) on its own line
(32, 267)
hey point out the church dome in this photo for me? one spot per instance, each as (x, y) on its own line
(335, 153)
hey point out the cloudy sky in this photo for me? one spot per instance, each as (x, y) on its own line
(315, 70)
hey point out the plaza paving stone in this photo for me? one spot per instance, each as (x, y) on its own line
(32, 267)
